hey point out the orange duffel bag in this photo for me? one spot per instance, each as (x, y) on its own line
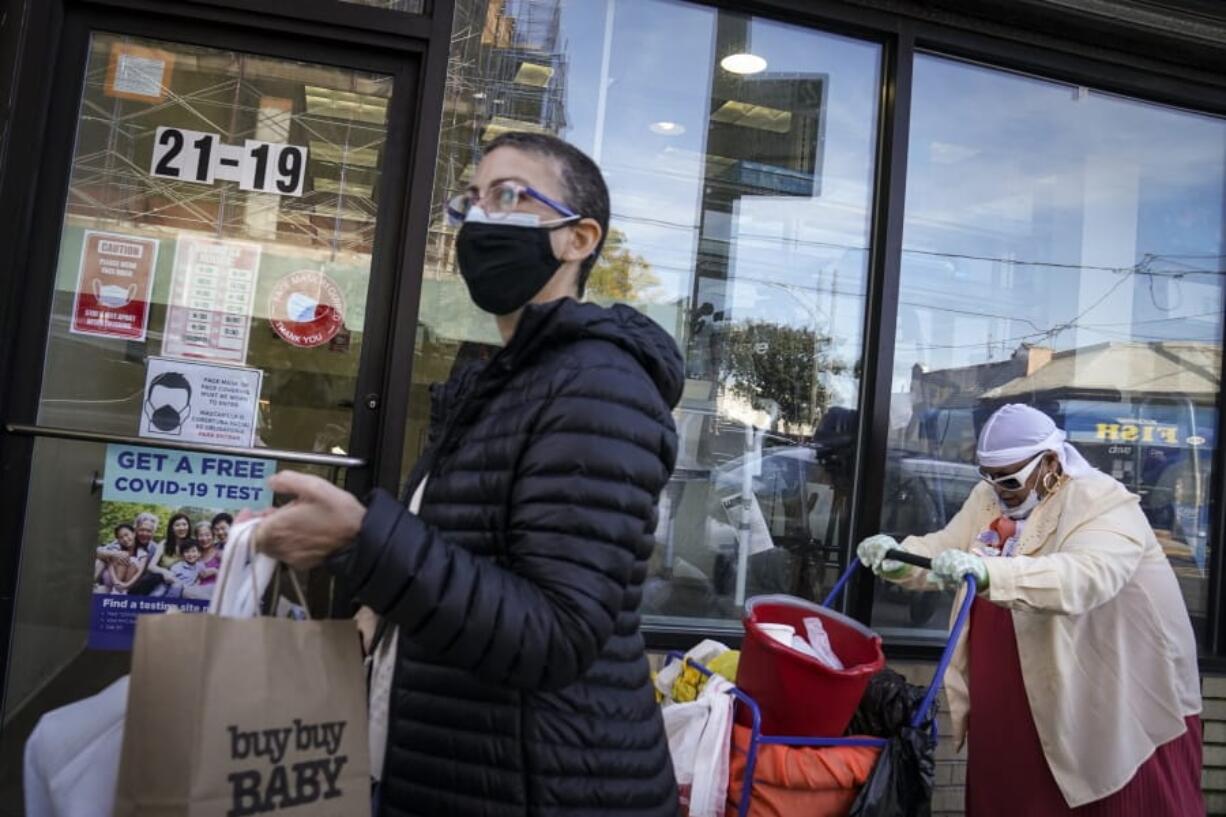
(816, 781)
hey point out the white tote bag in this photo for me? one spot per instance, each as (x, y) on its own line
(72, 756)
(699, 740)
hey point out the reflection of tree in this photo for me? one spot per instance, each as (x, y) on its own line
(620, 275)
(764, 362)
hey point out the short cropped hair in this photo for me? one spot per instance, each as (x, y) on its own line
(583, 184)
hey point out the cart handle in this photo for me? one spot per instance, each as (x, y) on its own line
(899, 555)
(894, 553)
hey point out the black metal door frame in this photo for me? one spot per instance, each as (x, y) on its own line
(411, 49)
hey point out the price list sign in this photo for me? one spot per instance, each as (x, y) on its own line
(211, 298)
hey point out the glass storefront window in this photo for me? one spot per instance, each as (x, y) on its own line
(1062, 248)
(222, 210)
(739, 154)
(407, 6)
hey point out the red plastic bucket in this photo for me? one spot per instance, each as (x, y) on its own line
(799, 695)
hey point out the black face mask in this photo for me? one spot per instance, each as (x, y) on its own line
(504, 265)
(167, 418)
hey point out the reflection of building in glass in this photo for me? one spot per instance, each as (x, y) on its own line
(507, 72)
(763, 140)
(340, 117)
(131, 177)
(1143, 412)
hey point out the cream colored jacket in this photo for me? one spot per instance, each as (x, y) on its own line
(1106, 646)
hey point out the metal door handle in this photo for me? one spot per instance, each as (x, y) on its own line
(330, 460)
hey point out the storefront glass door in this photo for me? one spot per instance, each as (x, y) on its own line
(215, 277)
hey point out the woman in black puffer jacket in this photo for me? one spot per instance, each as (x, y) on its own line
(521, 685)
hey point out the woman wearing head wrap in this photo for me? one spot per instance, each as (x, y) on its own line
(1075, 687)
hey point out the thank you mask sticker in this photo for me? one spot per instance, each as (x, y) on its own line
(306, 308)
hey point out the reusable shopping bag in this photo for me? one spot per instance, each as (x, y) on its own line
(229, 717)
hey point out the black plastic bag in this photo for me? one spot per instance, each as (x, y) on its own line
(901, 782)
(887, 707)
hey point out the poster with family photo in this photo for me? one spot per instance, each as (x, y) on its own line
(164, 523)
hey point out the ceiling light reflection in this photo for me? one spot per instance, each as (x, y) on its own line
(743, 63)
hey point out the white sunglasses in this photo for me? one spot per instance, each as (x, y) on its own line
(1017, 480)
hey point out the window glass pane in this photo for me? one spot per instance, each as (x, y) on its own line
(221, 210)
(740, 223)
(408, 6)
(1063, 248)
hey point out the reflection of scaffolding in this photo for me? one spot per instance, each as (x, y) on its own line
(343, 129)
(506, 71)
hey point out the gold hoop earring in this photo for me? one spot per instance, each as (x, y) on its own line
(1050, 481)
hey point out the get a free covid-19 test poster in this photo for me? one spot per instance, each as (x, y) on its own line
(160, 538)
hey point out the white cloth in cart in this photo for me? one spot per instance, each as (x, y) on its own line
(72, 757)
(699, 740)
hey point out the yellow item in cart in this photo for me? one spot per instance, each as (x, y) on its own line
(725, 664)
(678, 682)
(690, 682)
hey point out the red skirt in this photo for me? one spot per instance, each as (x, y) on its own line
(1007, 773)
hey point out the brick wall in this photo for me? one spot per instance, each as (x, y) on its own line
(1214, 778)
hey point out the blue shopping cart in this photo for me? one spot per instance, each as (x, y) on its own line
(757, 739)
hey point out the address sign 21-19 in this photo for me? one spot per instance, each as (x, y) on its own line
(199, 157)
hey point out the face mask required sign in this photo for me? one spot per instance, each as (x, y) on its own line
(163, 526)
(200, 402)
(113, 286)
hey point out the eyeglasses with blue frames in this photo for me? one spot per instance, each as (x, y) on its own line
(503, 199)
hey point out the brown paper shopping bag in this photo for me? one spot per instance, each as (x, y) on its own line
(231, 717)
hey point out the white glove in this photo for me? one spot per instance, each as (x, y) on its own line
(950, 566)
(871, 553)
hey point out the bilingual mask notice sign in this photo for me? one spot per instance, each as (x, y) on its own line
(200, 403)
(113, 286)
(306, 308)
